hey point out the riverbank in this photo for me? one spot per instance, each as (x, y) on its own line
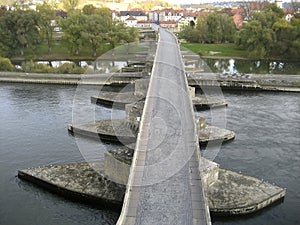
(216, 50)
(123, 78)
(257, 82)
(254, 82)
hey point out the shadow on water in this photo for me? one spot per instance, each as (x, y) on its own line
(44, 191)
(244, 217)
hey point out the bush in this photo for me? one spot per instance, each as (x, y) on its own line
(6, 65)
(70, 68)
(66, 68)
(33, 67)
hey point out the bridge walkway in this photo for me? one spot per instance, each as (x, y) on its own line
(164, 186)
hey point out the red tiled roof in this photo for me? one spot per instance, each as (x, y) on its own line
(131, 18)
(168, 22)
(148, 22)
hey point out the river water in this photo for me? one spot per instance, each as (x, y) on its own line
(33, 133)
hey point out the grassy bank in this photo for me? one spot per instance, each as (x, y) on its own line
(58, 52)
(215, 50)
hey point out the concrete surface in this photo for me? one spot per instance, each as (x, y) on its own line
(122, 131)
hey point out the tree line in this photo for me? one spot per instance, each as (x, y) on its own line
(90, 28)
(267, 34)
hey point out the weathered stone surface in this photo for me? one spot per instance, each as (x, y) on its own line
(134, 113)
(230, 194)
(108, 130)
(212, 133)
(235, 193)
(119, 100)
(204, 102)
(83, 181)
(122, 131)
(141, 87)
(268, 82)
(118, 162)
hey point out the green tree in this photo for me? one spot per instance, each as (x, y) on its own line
(220, 28)
(285, 34)
(190, 34)
(256, 39)
(89, 9)
(266, 35)
(19, 31)
(6, 65)
(216, 28)
(201, 30)
(272, 7)
(47, 23)
(105, 12)
(228, 28)
(119, 33)
(214, 31)
(95, 30)
(5, 39)
(73, 27)
(295, 45)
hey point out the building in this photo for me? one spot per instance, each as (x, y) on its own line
(138, 15)
(131, 22)
(144, 25)
(171, 25)
(279, 3)
(173, 15)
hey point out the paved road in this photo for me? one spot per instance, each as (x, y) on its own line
(164, 186)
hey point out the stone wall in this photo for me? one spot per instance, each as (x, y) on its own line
(141, 86)
(115, 169)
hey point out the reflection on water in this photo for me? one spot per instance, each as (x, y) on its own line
(34, 120)
(101, 66)
(267, 147)
(226, 67)
(232, 66)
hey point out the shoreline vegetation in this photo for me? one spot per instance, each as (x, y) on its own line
(213, 51)
(216, 50)
(60, 53)
(219, 51)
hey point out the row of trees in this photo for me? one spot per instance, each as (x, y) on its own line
(267, 34)
(92, 28)
(215, 28)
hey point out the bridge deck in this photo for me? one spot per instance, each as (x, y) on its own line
(164, 185)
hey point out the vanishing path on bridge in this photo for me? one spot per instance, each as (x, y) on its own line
(164, 185)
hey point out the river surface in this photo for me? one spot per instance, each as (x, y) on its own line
(33, 133)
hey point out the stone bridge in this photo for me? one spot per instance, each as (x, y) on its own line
(165, 185)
